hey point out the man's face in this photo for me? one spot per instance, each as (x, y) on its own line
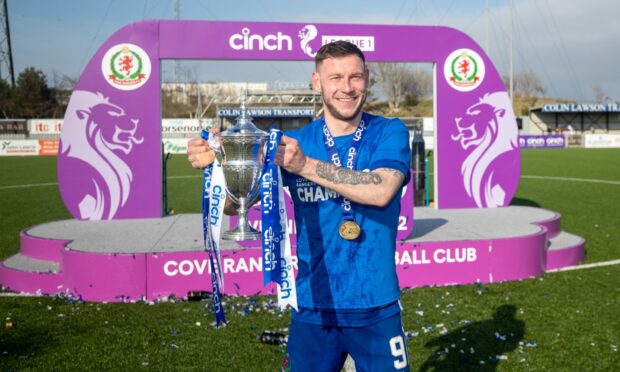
(342, 83)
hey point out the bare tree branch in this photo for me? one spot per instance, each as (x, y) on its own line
(398, 81)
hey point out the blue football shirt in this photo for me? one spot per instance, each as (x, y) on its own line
(336, 274)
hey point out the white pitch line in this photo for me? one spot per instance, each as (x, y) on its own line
(589, 180)
(28, 185)
(586, 266)
(572, 179)
(200, 175)
(17, 294)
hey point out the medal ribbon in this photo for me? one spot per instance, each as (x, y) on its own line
(356, 142)
(276, 245)
(213, 200)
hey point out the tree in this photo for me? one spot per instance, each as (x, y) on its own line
(526, 84)
(6, 103)
(529, 87)
(32, 98)
(418, 84)
(399, 83)
(529, 84)
(391, 77)
(62, 87)
(599, 95)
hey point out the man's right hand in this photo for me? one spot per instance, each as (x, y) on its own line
(199, 154)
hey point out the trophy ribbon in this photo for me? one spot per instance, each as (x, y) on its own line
(213, 200)
(349, 229)
(276, 245)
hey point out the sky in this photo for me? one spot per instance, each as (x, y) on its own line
(571, 45)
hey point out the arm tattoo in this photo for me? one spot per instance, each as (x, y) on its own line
(342, 175)
(395, 173)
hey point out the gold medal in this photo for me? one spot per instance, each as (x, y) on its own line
(349, 230)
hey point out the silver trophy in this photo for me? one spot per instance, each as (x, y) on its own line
(241, 150)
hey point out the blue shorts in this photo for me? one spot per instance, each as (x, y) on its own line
(377, 347)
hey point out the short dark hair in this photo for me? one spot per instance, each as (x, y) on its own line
(338, 49)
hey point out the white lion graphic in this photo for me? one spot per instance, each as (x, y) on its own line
(488, 126)
(100, 134)
(307, 34)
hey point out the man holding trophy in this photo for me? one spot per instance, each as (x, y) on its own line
(345, 172)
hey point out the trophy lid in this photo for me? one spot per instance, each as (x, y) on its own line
(244, 127)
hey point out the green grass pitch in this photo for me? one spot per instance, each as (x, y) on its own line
(563, 321)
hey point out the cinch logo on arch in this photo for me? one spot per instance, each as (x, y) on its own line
(246, 40)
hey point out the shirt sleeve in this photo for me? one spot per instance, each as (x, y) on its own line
(393, 149)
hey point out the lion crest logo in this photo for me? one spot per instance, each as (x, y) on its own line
(99, 133)
(488, 130)
(307, 34)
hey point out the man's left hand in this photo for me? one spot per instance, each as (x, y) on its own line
(290, 156)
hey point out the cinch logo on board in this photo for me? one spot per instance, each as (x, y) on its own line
(246, 40)
(126, 66)
(464, 70)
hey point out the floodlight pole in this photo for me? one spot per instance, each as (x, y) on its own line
(6, 53)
